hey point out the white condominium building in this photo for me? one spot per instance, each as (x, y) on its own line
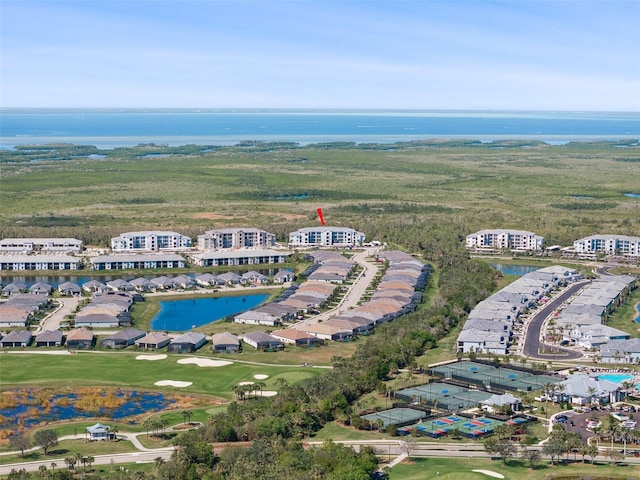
(505, 239)
(151, 241)
(224, 238)
(325, 237)
(609, 244)
(28, 245)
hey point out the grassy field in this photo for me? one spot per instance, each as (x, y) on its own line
(123, 370)
(462, 469)
(562, 192)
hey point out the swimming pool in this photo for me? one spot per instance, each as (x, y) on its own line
(615, 377)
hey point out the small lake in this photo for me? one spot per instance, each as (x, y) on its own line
(79, 278)
(180, 315)
(31, 409)
(632, 195)
(517, 270)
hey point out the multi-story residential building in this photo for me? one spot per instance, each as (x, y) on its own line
(225, 238)
(151, 241)
(39, 262)
(505, 239)
(240, 257)
(50, 245)
(326, 237)
(129, 262)
(609, 244)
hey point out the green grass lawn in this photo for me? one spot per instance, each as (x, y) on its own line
(66, 448)
(623, 317)
(123, 370)
(462, 469)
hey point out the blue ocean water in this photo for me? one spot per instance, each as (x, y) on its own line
(110, 129)
(179, 315)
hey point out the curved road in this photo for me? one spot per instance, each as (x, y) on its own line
(532, 342)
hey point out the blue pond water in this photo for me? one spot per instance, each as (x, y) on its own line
(64, 408)
(179, 315)
(518, 270)
(632, 195)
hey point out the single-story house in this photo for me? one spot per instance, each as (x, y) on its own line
(327, 332)
(153, 340)
(207, 280)
(80, 338)
(296, 337)
(231, 278)
(262, 341)
(14, 288)
(184, 281)
(283, 276)
(94, 286)
(142, 284)
(123, 338)
(98, 320)
(12, 316)
(253, 317)
(120, 285)
(496, 400)
(255, 277)
(16, 338)
(40, 288)
(225, 343)
(69, 289)
(49, 338)
(189, 342)
(163, 282)
(99, 432)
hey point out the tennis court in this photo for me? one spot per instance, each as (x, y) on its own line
(443, 395)
(438, 427)
(488, 375)
(395, 416)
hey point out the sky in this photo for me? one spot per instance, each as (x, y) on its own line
(403, 54)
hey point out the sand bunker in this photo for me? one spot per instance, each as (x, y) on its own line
(246, 383)
(265, 393)
(489, 473)
(260, 376)
(204, 362)
(173, 383)
(161, 356)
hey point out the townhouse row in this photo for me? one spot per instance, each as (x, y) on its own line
(489, 326)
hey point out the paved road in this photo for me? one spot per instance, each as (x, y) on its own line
(532, 342)
(355, 292)
(52, 322)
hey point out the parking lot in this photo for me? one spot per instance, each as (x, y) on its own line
(577, 421)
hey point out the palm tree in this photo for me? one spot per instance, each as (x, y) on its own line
(89, 459)
(80, 459)
(71, 462)
(53, 468)
(591, 391)
(43, 470)
(186, 414)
